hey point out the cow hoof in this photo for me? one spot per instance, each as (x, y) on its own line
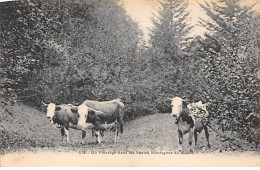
(209, 146)
(98, 142)
(178, 152)
(180, 149)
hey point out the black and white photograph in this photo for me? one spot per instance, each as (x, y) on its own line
(126, 83)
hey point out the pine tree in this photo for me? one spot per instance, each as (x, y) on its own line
(169, 38)
(171, 29)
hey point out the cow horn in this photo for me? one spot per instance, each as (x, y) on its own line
(252, 113)
(169, 98)
(55, 127)
(44, 104)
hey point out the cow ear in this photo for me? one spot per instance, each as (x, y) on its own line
(57, 108)
(184, 103)
(74, 110)
(91, 112)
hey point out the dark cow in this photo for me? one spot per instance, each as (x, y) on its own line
(111, 112)
(186, 122)
(66, 117)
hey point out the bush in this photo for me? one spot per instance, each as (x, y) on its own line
(138, 109)
(163, 106)
(141, 102)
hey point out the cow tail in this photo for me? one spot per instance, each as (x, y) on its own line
(120, 125)
(121, 116)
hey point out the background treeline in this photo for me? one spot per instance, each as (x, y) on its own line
(67, 52)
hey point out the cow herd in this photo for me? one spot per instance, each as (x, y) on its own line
(108, 115)
(98, 116)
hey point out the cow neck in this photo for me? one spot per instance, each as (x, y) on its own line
(186, 117)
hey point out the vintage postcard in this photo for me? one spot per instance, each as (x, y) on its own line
(130, 83)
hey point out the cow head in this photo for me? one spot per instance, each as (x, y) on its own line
(83, 114)
(93, 118)
(177, 105)
(51, 108)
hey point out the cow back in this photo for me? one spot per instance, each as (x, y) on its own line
(112, 109)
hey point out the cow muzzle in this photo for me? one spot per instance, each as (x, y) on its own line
(82, 125)
(50, 119)
(173, 115)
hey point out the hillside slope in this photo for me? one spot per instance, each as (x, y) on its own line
(28, 129)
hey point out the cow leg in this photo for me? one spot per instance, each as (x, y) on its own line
(102, 133)
(117, 135)
(190, 139)
(196, 138)
(62, 131)
(93, 132)
(83, 137)
(180, 140)
(116, 131)
(67, 133)
(99, 139)
(207, 135)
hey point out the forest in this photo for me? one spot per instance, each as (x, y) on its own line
(65, 51)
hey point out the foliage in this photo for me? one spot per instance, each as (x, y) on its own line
(168, 54)
(67, 52)
(231, 70)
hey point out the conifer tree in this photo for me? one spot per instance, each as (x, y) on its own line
(171, 29)
(169, 38)
(231, 69)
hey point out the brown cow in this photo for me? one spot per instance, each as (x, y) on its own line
(110, 112)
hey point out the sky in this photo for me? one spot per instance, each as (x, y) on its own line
(142, 11)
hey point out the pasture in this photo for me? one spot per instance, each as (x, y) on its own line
(28, 129)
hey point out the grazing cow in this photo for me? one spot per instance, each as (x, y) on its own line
(65, 116)
(111, 112)
(186, 122)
